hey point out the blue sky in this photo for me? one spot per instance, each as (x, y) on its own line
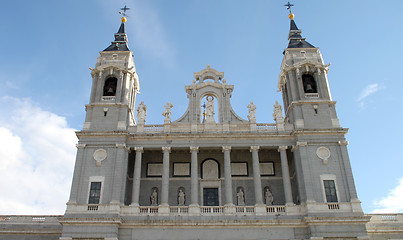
(47, 47)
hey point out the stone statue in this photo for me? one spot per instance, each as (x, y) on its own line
(210, 109)
(240, 197)
(252, 112)
(154, 197)
(167, 112)
(278, 112)
(181, 198)
(141, 113)
(268, 197)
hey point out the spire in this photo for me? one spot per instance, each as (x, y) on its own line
(120, 43)
(296, 40)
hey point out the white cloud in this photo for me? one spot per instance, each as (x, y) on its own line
(393, 202)
(37, 153)
(368, 91)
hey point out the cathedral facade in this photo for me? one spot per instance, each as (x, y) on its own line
(209, 174)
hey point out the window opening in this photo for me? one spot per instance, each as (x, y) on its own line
(95, 193)
(330, 190)
(309, 84)
(110, 86)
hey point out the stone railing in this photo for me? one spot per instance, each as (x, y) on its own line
(30, 219)
(203, 128)
(156, 128)
(108, 98)
(311, 95)
(211, 210)
(266, 127)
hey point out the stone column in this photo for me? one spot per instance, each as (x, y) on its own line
(286, 175)
(136, 176)
(256, 175)
(227, 175)
(165, 176)
(120, 170)
(194, 184)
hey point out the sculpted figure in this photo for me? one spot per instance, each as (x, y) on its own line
(240, 197)
(167, 112)
(268, 197)
(154, 197)
(181, 198)
(210, 109)
(141, 113)
(278, 112)
(252, 112)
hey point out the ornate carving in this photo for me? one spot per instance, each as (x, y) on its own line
(278, 112)
(167, 112)
(100, 155)
(141, 113)
(226, 148)
(80, 145)
(254, 148)
(210, 109)
(323, 153)
(164, 149)
(240, 197)
(193, 148)
(252, 112)
(343, 143)
(154, 197)
(268, 196)
(138, 149)
(282, 148)
(181, 197)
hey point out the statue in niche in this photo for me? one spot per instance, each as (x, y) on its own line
(240, 197)
(268, 197)
(154, 197)
(181, 197)
(210, 109)
(141, 113)
(278, 112)
(252, 112)
(167, 112)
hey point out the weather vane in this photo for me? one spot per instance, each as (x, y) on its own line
(289, 5)
(124, 9)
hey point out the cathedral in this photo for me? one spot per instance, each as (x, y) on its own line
(210, 174)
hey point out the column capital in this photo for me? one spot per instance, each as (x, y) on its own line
(139, 149)
(343, 143)
(254, 148)
(226, 148)
(282, 148)
(166, 149)
(299, 144)
(80, 145)
(123, 145)
(194, 148)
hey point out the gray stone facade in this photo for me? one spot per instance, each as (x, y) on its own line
(210, 174)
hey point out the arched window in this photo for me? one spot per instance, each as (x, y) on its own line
(110, 86)
(309, 83)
